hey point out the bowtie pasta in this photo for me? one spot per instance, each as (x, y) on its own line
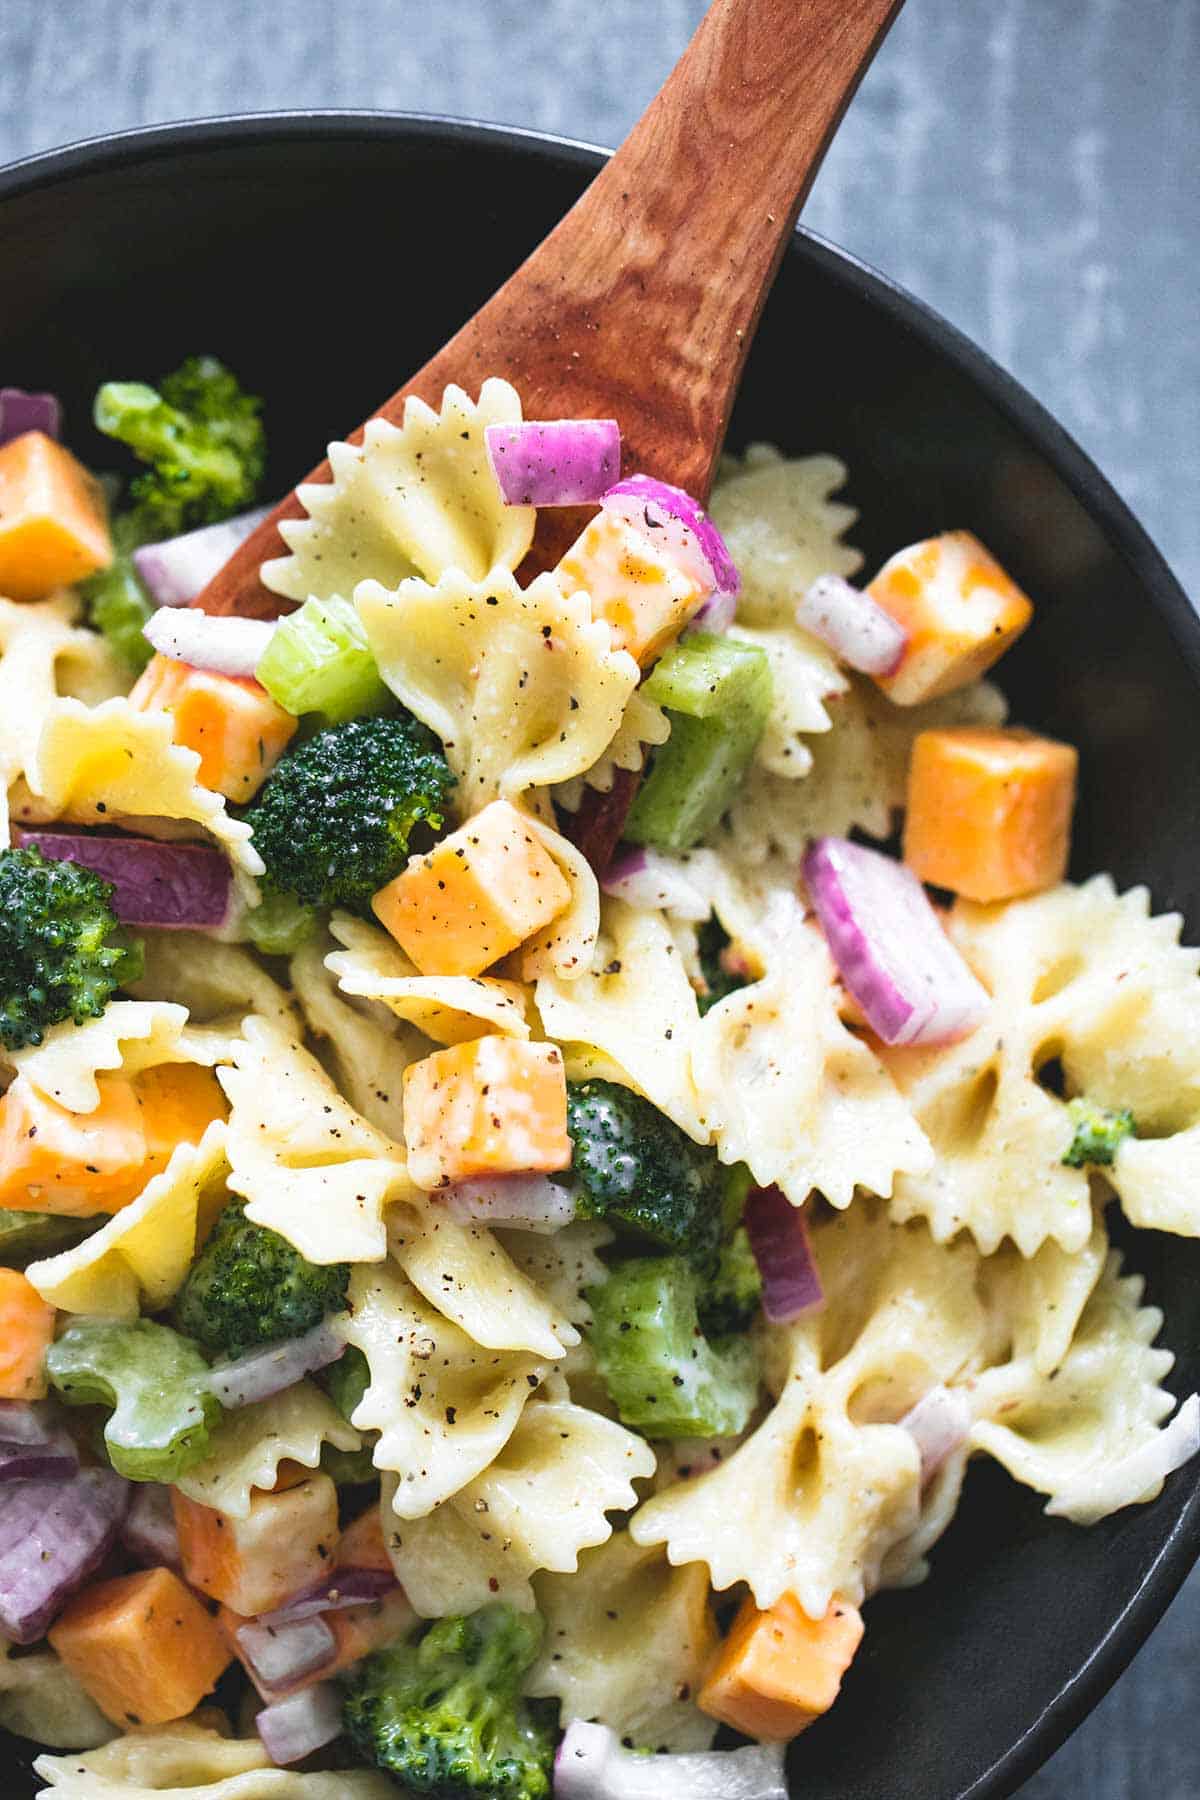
(546, 1120)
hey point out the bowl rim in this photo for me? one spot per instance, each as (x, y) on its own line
(1079, 473)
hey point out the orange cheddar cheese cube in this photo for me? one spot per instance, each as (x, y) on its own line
(492, 1106)
(143, 1646)
(254, 1564)
(232, 723)
(645, 597)
(989, 811)
(475, 896)
(53, 520)
(26, 1333)
(179, 1102)
(362, 1543)
(779, 1670)
(56, 1161)
(960, 609)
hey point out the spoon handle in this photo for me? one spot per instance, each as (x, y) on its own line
(643, 301)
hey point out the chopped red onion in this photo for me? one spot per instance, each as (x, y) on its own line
(889, 945)
(223, 646)
(176, 570)
(716, 614)
(293, 1728)
(525, 1202)
(333, 1593)
(273, 1367)
(680, 526)
(32, 1446)
(554, 462)
(149, 1530)
(278, 1656)
(174, 886)
(53, 1535)
(592, 1764)
(854, 625)
(938, 1424)
(596, 828)
(21, 412)
(778, 1233)
(652, 878)
(1126, 1480)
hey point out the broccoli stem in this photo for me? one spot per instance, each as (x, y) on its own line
(1098, 1133)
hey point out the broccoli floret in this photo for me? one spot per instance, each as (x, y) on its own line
(664, 1376)
(203, 439)
(333, 821)
(713, 943)
(444, 1716)
(635, 1168)
(249, 1286)
(60, 957)
(280, 924)
(730, 1300)
(1099, 1132)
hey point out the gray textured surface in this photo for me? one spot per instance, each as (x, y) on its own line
(1030, 167)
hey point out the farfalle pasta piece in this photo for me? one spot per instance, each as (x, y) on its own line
(364, 1049)
(247, 1447)
(215, 981)
(41, 1699)
(782, 527)
(414, 499)
(784, 1085)
(636, 1006)
(193, 1762)
(140, 1257)
(522, 685)
(543, 1499)
(1083, 977)
(307, 1165)
(130, 1035)
(643, 726)
(628, 1641)
(114, 765)
(447, 1008)
(829, 1482)
(804, 675)
(563, 1266)
(857, 777)
(443, 1406)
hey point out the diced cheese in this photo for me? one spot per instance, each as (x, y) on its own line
(232, 723)
(53, 520)
(779, 1670)
(26, 1333)
(645, 597)
(254, 1564)
(989, 811)
(475, 896)
(960, 609)
(56, 1161)
(142, 1646)
(492, 1106)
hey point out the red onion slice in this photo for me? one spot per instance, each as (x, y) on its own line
(176, 570)
(653, 879)
(854, 626)
(21, 412)
(278, 1656)
(174, 886)
(889, 945)
(273, 1367)
(149, 1531)
(778, 1233)
(222, 646)
(938, 1424)
(716, 615)
(32, 1447)
(679, 526)
(333, 1593)
(554, 462)
(596, 828)
(592, 1764)
(53, 1535)
(525, 1202)
(292, 1729)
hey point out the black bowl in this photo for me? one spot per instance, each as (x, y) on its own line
(326, 256)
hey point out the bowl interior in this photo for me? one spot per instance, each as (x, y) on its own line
(325, 258)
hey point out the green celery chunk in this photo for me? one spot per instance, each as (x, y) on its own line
(665, 1378)
(718, 694)
(319, 661)
(157, 1384)
(26, 1235)
(281, 924)
(1099, 1132)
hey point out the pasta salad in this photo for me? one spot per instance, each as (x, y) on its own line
(544, 1121)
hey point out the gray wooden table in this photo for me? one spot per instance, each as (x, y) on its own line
(1030, 167)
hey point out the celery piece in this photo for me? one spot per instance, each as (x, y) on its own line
(281, 924)
(718, 700)
(665, 1378)
(318, 661)
(157, 1384)
(25, 1235)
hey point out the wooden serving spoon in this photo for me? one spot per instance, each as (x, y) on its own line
(642, 303)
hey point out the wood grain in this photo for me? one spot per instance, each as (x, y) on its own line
(643, 302)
